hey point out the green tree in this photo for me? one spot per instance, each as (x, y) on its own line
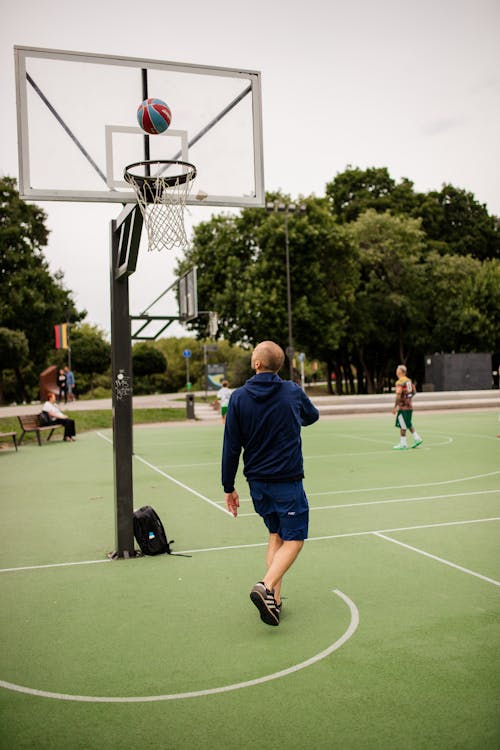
(462, 308)
(236, 359)
(455, 222)
(355, 190)
(367, 281)
(32, 298)
(242, 276)
(147, 360)
(487, 299)
(14, 352)
(90, 354)
(385, 325)
(174, 379)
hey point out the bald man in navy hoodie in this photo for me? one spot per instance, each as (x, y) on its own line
(264, 419)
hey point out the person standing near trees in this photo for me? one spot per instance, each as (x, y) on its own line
(403, 408)
(223, 396)
(61, 383)
(264, 418)
(70, 383)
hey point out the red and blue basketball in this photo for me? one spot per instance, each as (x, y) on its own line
(154, 116)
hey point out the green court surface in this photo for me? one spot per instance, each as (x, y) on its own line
(390, 631)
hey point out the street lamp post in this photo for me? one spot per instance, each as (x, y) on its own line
(287, 208)
(290, 351)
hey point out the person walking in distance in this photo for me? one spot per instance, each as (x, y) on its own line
(70, 383)
(223, 395)
(264, 418)
(61, 383)
(403, 409)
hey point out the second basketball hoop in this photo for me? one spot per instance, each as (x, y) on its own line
(162, 188)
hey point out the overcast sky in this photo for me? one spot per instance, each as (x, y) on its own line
(414, 87)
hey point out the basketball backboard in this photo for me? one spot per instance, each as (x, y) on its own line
(188, 295)
(77, 127)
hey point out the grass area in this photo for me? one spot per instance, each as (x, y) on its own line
(99, 419)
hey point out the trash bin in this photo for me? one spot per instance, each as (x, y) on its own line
(190, 405)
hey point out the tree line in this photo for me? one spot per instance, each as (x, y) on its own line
(380, 275)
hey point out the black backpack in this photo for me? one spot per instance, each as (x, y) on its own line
(149, 532)
(44, 419)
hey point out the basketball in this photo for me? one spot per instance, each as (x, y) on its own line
(154, 116)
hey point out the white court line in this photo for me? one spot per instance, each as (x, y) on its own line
(439, 559)
(351, 534)
(475, 434)
(405, 528)
(386, 451)
(193, 466)
(397, 500)
(379, 441)
(55, 565)
(314, 456)
(404, 486)
(264, 544)
(175, 481)
(390, 487)
(356, 437)
(351, 629)
(184, 486)
(104, 437)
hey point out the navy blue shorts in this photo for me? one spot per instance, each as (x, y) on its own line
(283, 507)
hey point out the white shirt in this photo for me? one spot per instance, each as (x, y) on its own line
(224, 394)
(53, 410)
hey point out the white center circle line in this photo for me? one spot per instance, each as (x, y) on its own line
(353, 625)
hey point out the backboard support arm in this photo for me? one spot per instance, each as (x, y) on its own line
(65, 127)
(151, 319)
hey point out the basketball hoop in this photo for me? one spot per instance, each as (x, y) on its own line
(162, 199)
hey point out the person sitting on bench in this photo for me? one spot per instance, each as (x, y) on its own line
(56, 416)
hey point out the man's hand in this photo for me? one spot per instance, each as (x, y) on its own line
(232, 502)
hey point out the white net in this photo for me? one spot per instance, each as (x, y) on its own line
(162, 201)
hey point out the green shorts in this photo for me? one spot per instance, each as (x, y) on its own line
(223, 411)
(404, 419)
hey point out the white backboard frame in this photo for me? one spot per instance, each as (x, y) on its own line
(117, 191)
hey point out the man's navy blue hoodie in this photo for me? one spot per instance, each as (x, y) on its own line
(264, 417)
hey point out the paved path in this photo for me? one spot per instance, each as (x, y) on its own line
(327, 405)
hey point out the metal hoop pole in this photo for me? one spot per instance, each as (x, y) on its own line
(144, 74)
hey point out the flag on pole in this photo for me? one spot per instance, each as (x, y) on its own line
(61, 336)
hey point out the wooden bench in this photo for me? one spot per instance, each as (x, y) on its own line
(31, 423)
(11, 435)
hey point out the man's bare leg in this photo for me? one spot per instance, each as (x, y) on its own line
(274, 544)
(280, 556)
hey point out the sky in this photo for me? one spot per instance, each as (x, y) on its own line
(414, 87)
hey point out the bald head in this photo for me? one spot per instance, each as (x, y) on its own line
(267, 357)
